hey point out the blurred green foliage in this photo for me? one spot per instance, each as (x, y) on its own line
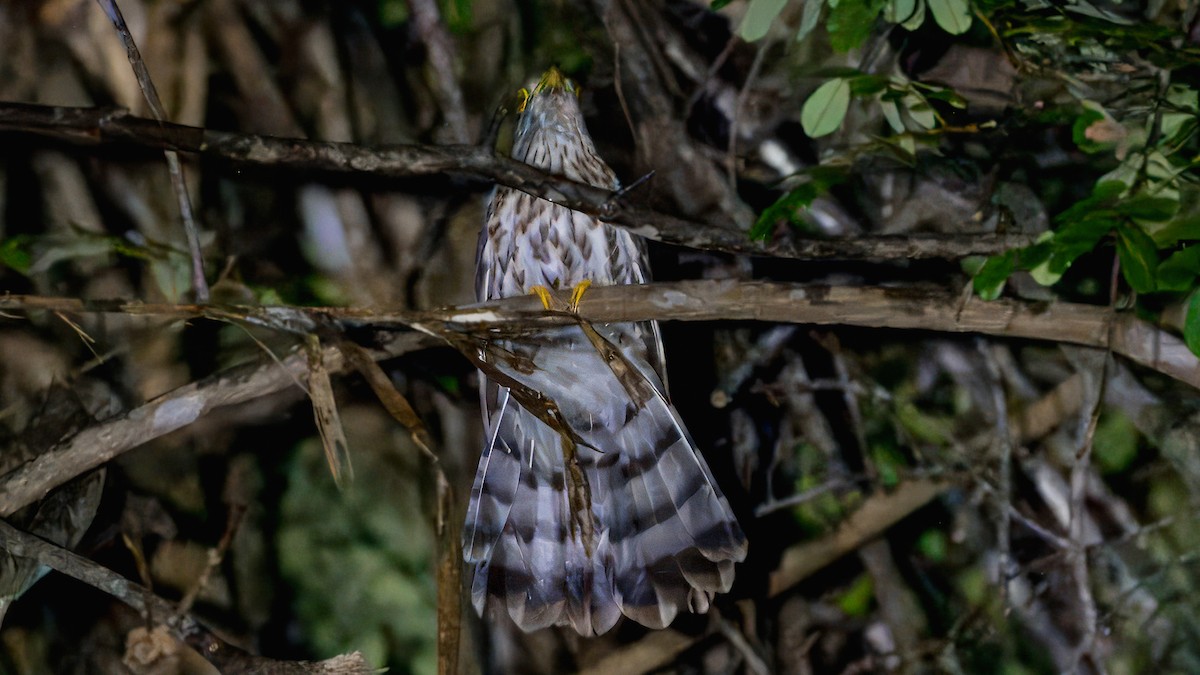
(360, 559)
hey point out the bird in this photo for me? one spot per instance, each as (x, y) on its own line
(591, 500)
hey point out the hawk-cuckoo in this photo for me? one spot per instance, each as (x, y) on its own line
(618, 515)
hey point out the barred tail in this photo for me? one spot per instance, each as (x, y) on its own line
(664, 540)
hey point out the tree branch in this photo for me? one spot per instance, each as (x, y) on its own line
(224, 656)
(98, 126)
(897, 308)
(99, 443)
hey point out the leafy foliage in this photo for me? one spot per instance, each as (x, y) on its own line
(1145, 206)
(850, 22)
(1144, 209)
(788, 208)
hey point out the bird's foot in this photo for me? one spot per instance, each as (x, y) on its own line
(547, 296)
(543, 294)
(577, 295)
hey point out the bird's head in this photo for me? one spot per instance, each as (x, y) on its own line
(550, 116)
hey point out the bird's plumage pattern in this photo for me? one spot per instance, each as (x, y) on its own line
(621, 516)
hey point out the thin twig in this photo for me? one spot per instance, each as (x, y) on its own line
(215, 556)
(427, 21)
(1078, 557)
(1003, 443)
(1057, 541)
(769, 507)
(178, 184)
(449, 576)
(878, 513)
(754, 661)
(743, 94)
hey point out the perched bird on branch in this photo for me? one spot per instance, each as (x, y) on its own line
(591, 500)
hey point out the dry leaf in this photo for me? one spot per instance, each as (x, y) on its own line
(329, 423)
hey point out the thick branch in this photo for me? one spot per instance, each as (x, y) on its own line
(110, 125)
(899, 307)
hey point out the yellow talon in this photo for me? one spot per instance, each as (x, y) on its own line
(543, 294)
(577, 294)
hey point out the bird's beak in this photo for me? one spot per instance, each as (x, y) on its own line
(554, 79)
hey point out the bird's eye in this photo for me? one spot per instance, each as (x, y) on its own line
(523, 94)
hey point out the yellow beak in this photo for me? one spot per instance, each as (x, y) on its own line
(554, 79)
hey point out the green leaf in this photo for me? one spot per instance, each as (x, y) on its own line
(899, 11)
(788, 207)
(1078, 238)
(1191, 323)
(1178, 127)
(953, 98)
(954, 16)
(1178, 272)
(15, 253)
(1150, 209)
(856, 601)
(823, 112)
(919, 111)
(1162, 174)
(808, 20)
(917, 19)
(934, 545)
(1036, 259)
(1103, 195)
(989, 282)
(457, 15)
(1115, 442)
(392, 13)
(1092, 115)
(1184, 97)
(1139, 257)
(1179, 118)
(850, 23)
(784, 208)
(1088, 9)
(971, 264)
(867, 85)
(1181, 229)
(891, 112)
(922, 426)
(71, 248)
(760, 15)
(449, 383)
(1043, 275)
(948, 95)
(1036, 254)
(1127, 173)
(718, 4)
